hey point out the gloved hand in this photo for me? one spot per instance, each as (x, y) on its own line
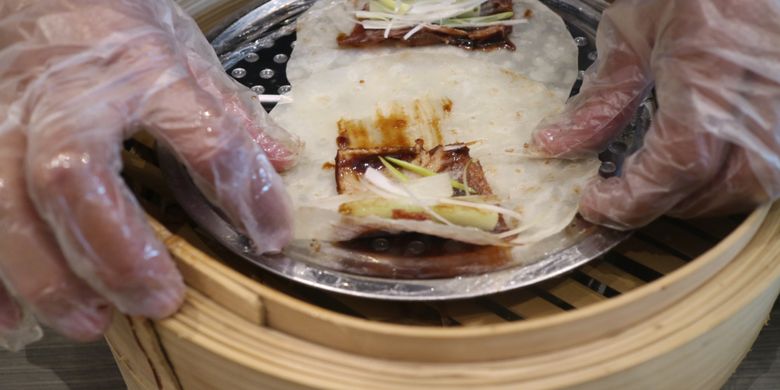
(714, 144)
(76, 77)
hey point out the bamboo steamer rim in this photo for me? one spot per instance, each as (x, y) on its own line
(732, 244)
(635, 349)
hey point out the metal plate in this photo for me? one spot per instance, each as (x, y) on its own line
(263, 39)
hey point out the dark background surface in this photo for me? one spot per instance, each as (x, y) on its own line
(56, 363)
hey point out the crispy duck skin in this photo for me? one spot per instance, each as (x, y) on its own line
(352, 163)
(484, 38)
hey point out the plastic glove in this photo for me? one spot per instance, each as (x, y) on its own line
(76, 77)
(714, 144)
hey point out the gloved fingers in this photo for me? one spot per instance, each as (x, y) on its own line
(713, 82)
(73, 179)
(674, 163)
(613, 88)
(227, 165)
(281, 147)
(735, 189)
(31, 263)
(17, 326)
(10, 312)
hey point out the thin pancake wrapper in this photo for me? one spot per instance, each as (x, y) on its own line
(395, 99)
(545, 51)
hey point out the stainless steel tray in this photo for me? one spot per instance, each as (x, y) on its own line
(263, 39)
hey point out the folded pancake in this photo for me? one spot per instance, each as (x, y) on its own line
(544, 49)
(422, 110)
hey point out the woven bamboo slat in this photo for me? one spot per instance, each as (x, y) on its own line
(507, 339)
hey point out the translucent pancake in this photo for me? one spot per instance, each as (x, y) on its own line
(545, 51)
(448, 99)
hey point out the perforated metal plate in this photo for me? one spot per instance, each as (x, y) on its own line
(255, 49)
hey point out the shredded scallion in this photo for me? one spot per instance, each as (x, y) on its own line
(422, 171)
(393, 170)
(416, 14)
(382, 186)
(466, 178)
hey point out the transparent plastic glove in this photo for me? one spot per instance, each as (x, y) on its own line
(714, 145)
(76, 78)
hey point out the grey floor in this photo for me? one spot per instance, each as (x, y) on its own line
(56, 363)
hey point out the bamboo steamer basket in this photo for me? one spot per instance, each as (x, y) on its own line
(677, 306)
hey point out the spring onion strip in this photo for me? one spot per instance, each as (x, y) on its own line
(396, 14)
(408, 17)
(460, 186)
(411, 167)
(443, 9)
(381, 25)
(376, 6)
(395, 172)
(382, 183)
(466, 177)
(388, 28)
(436, 10)
(512, 22)
(380, 191)
(432, 11)
(483, 19)
(427, 172)
(414, 30)
(483, 206)
(471, 13)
